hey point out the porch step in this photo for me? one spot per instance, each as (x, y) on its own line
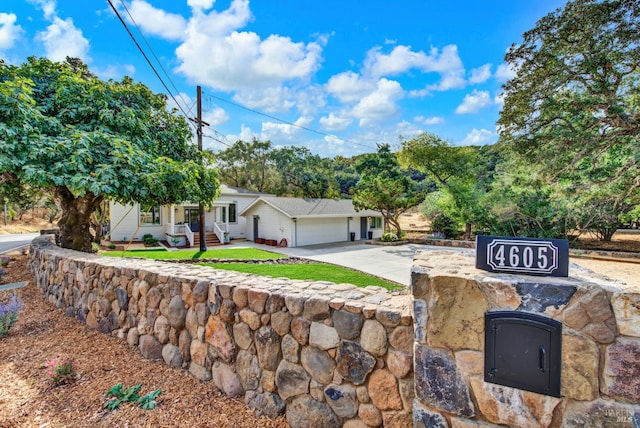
(210, 238)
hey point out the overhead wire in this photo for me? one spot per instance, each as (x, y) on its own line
(315, 131)
(124, 5)
(135, 41)
(289, 123)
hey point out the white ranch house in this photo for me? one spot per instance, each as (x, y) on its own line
(245, 214)
(303, 222)
(179, 224)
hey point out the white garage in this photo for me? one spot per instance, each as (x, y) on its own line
(297, 222)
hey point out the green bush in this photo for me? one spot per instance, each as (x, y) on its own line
(389, 237)
(149, 240)
(445, 225)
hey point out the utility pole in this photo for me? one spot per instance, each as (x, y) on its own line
(200, 122)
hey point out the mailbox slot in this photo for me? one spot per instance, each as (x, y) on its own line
(523, 350)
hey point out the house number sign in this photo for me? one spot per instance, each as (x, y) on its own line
(548, 257)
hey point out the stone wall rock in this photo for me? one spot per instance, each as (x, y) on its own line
(306, 349)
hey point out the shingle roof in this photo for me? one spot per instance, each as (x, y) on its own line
(300, 207)
(230, 190)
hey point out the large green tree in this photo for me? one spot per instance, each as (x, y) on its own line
(385, 187)
(573, 107)
(304, 174)
(85, 140)
(457, 171)
(248, 165)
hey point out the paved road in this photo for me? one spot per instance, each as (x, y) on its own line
(388, 262)
(13, 242)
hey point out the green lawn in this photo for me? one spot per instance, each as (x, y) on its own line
(308, 271)
(304, 271)
(222, 253)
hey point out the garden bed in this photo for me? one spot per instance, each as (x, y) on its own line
(42, 332)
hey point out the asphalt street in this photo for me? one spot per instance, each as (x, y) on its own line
(14, 242)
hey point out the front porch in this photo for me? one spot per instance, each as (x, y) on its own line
(183, 226)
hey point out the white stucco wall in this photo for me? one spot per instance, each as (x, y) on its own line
(124, 223)
(271, 225)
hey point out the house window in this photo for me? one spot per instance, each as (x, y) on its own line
(233, 217)
(375, 223)
(149, 215)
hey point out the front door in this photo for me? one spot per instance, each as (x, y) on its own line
(363, 228)
(255, 227)
(192, 218)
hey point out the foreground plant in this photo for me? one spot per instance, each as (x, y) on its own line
(61, 371)
(9, 313)
(124, 395)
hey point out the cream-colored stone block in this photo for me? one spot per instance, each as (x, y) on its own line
(456, 310)
(626, 307)
(580, 359)
(509, 406)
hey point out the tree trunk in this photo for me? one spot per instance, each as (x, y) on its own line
(75, 219)
(467, 232)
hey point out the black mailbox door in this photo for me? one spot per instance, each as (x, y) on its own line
(523, 350)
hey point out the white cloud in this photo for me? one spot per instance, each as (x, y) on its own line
(499, 99)
(505, 72)
(379, 105)
(349, 86)
(270, 100)
(202, 4)
(434, 120)
(480, 74)
(9, 31)
(216, 116)
(478, 137)
(216, 54)
(401, 59)
(283, 131)
(156, 21)
(48, 7)
(115, 71)
(62, 39)
(473, 102)
(334, 122)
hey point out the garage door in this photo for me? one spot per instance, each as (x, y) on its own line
(322, 231)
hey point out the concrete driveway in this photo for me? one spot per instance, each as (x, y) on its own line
(389, 262)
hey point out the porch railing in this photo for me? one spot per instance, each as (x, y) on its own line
(220, 229)
(175, 229)
(189, 234)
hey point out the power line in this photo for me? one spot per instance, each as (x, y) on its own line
(147, 58)
(289, 123)
(124, 5)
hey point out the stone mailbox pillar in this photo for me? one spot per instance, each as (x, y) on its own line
(600, 363)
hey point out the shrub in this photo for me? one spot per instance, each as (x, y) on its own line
(111, 246)
(123, 395)
(149, 240)
(4, 261)
(61, 371)
(439, 235)
(389, 237)
(9, 314)
(445, 225)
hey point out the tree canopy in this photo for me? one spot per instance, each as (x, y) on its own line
(574, 105)
(385, 187)
(86, 140)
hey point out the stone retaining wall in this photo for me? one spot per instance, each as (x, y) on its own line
(325, 354)
(600, 379)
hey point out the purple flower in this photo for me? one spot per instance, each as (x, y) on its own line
(9, 314)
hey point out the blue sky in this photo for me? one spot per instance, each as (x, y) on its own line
(336, 76)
